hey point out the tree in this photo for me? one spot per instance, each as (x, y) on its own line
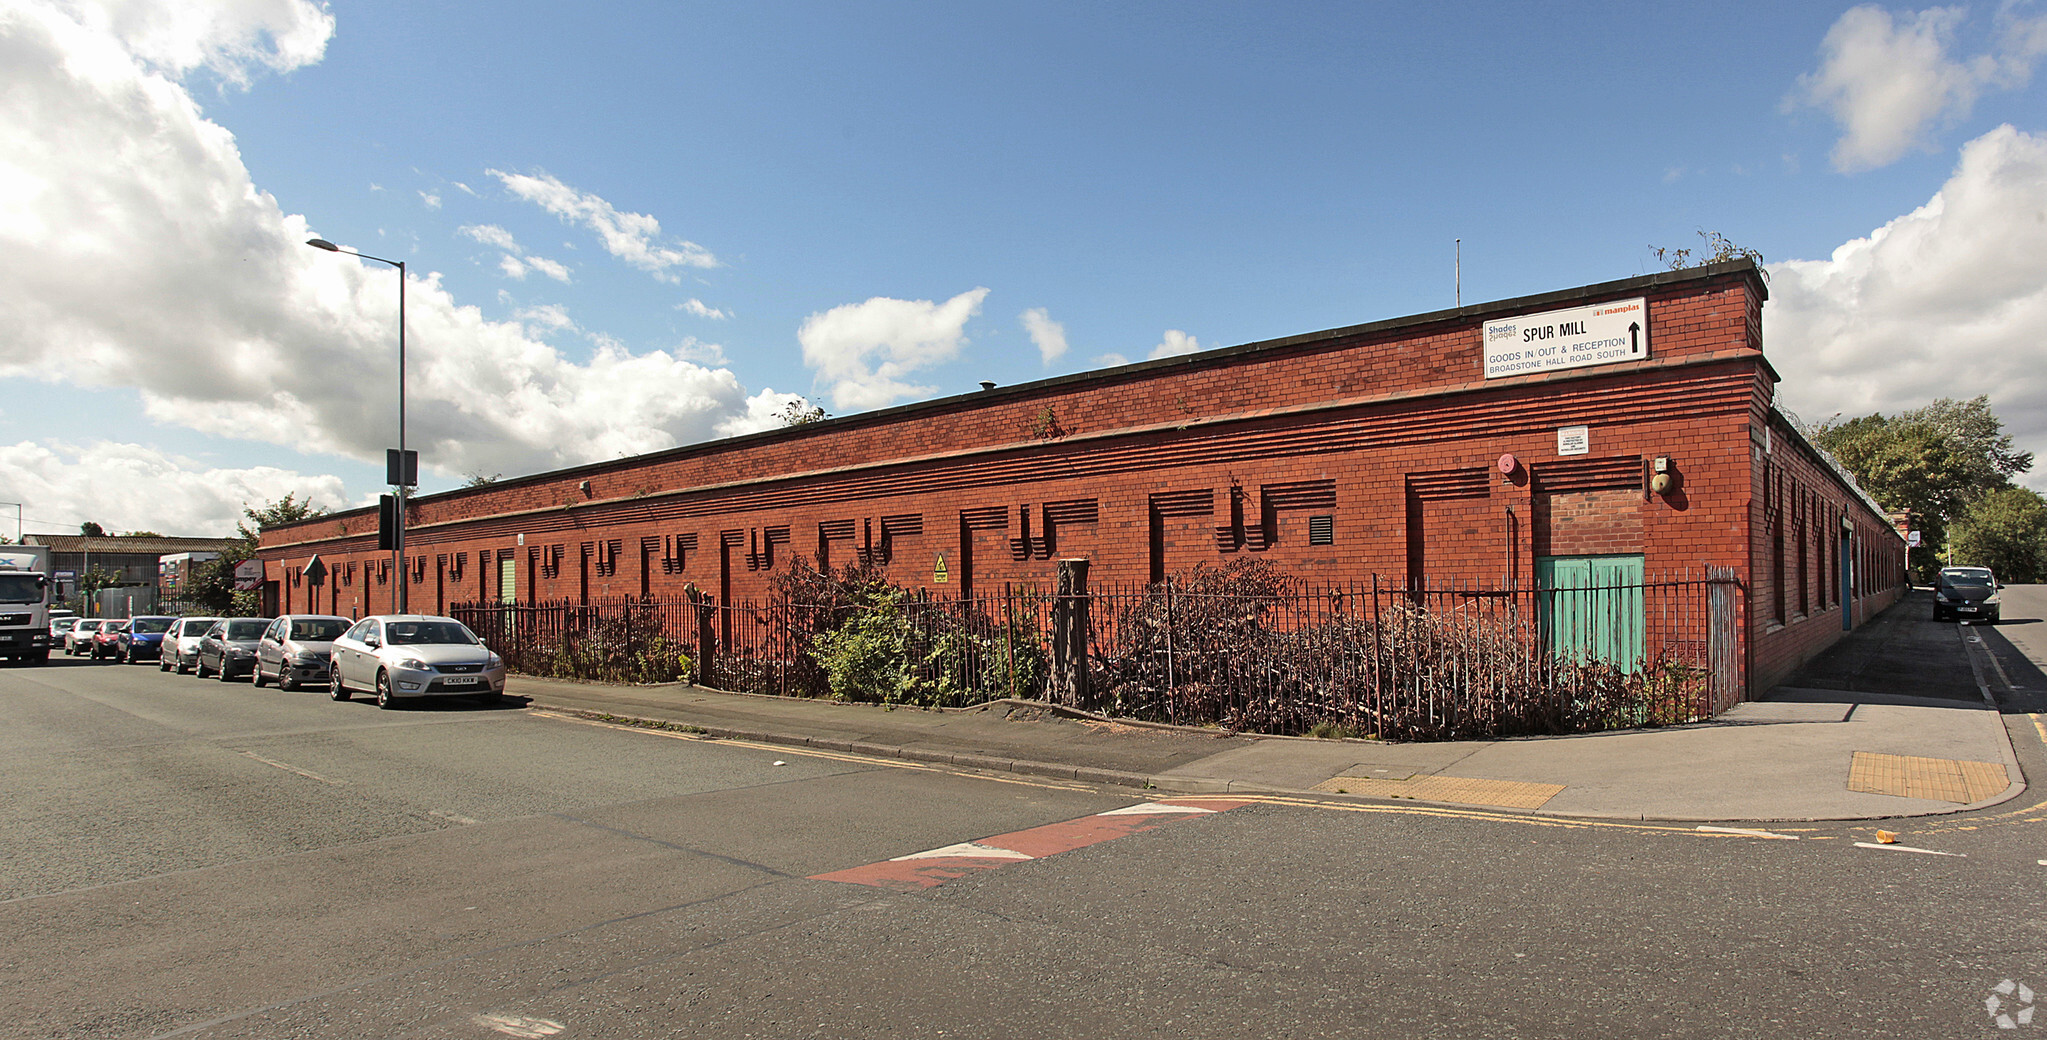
(2006, 531)
(92, 530)
(1717, 250)
(477, 479)
(1937, 461)
(141, 534)
(212, 587)
(801, 413)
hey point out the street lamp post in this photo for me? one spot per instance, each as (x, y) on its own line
(398, 597)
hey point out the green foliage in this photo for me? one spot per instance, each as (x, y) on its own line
(801, 413)
(212, 587)
(855, 635)
(1936, 461)
(92, 530)
(2006, 531)
(479, 479)
(95, 579)
(1717, 250)
(867, 656)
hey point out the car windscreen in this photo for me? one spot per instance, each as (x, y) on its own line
(148, 625)
(1973, 579)
(317, 630)
(240, 631)
(20, 588)
(196, 627)
(410, 633)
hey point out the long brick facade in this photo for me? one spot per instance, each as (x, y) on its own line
(1373, 450)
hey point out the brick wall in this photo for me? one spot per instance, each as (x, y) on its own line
(1387, 433)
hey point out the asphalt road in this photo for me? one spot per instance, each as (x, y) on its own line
(186, 858)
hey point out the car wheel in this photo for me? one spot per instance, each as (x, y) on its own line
(256, 675)
(385, 699)
(199, 669)
(285, 682)
(222, 673)
(163, 664)
(131, 658)
(334, 687)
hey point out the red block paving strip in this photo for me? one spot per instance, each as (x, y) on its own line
(922, 870)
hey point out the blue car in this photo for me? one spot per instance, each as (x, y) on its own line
(142, 640)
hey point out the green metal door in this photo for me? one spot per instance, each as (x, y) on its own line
(1591, 608)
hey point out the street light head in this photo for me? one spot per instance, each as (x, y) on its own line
(321, 243)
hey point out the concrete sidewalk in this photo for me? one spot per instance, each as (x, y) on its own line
(1827, 750)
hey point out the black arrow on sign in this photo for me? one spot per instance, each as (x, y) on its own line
(1634, 337)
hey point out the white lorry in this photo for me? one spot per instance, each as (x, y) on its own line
(25, 593)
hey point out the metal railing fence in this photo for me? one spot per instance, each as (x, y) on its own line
(1364, 659)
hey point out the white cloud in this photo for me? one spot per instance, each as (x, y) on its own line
(632, 237)
(516, 263)
(1889, 82)
(1175, 344)
(98, 482)
(694, 349)
(550, 316)
(134, 244)
(490, 235)
(1109, 360)
(1047, 335)
(1945, 301)
(865, 350)
(551, 268)
(228, 39)
(431, 201)
(701, 309)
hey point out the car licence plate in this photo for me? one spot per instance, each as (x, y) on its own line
(460, 680)
(1966, 610)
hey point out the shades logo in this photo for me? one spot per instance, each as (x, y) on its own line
(1507, 330)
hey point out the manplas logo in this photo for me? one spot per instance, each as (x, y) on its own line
(1505, 330)
(2010, 1004)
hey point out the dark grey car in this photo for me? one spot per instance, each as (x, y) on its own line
(230, 648)
(296, 649)
(1967, 594)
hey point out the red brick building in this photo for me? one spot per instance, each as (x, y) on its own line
(1497, 443)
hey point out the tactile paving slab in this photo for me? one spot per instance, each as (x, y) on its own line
(1463, 790)
(1940, 779)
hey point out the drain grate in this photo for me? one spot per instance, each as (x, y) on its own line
(1939, 779)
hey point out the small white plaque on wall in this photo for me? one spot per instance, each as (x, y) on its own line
(1574, 440)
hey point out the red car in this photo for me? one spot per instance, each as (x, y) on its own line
(106, 643)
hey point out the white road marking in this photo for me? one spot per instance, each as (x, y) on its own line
(522, 1026)
(1148, 808)
(965, 848)
(1908, 848)
(452, 818)
(291, 769)
(1749, 832)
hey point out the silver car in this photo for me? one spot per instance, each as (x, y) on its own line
(79, 639)
(181, 644)
(295, 649)
(414, 655)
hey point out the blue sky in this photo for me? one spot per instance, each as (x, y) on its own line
(634, 225)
